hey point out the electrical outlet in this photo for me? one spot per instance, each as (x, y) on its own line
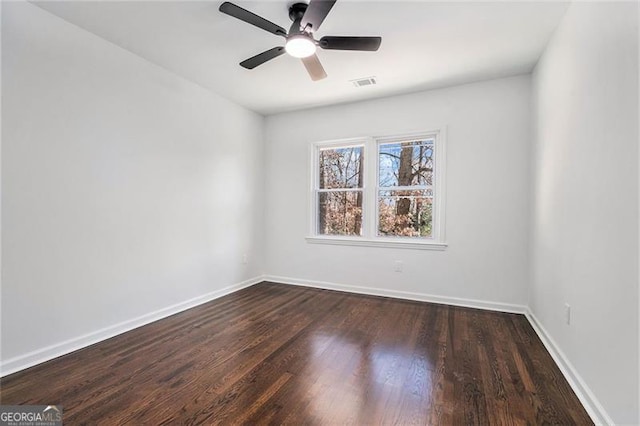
(567, 313)
(245, 259)
(398, 265)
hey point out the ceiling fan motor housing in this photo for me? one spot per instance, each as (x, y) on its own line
(297, 10)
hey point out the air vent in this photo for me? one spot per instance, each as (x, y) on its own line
(362, 82)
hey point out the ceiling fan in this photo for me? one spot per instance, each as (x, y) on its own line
(300, 43)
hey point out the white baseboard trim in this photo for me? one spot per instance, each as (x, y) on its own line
(583, 392)
(420, 297)
(595, 410)
(38, 356)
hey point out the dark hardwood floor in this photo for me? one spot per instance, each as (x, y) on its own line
(276, 354)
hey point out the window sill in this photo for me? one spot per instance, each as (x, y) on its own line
(378, 242)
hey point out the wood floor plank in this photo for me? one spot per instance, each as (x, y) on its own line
(278, 354)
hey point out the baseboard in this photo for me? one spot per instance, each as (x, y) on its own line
(585, 395)
(420, 297)
(595, 410)
(38, 356)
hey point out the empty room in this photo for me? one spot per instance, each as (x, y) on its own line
(320, 212)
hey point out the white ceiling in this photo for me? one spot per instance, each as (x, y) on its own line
(425, 45)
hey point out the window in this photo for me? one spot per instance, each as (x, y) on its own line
(386, 191)
(405, 188)
(339, 192)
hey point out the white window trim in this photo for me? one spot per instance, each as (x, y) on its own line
(370, 207)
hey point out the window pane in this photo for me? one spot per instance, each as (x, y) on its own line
(405, 213)
(341, 168)
(340, 213)
(406, 163)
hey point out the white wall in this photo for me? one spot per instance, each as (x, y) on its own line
(126, 189)
(585, 199)
(487, 193)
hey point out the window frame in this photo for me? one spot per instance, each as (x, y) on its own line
(316, 190)
(370, 188)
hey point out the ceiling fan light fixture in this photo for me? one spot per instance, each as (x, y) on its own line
(300, 46)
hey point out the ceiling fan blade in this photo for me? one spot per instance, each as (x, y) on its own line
(315, 13)
(370, 44)
(261, 58)
(314, 67)
(251, 18)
